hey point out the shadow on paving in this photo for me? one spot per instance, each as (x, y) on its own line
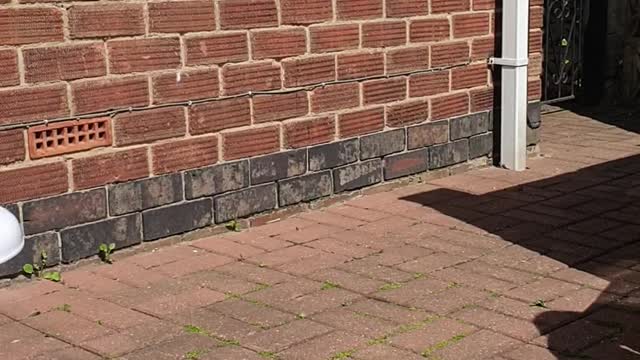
(589, 220)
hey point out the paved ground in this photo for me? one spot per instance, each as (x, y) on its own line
(543, 264)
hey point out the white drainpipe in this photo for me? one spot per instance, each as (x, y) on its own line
(514, 61)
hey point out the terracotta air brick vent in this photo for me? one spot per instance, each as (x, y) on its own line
(69, 136)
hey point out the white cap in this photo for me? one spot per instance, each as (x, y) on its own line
(11, 238)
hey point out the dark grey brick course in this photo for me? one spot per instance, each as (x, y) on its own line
(304, 188)
(278, 166)
(427, 134)
(31, 253)
(13, 208)
(65, 210)
(480, 145)
(356, 176)
(216, 179)
(333, 155)
(83, 241)
(177, 219)
(448, 154)
(381, 144)
(409, 163)
(245, 202)
(469, 125)
(144, 194)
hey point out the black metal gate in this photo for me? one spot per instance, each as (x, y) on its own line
(563, 49)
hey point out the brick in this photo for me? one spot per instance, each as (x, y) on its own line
(407, 59)
(113, 167)
(295, 12)
(144, 194)
(536, 17)
(408, 112)
(429, 84)
(384, 90)
(304, 188)
(335, 97)
(219, 115)
(483, 48)
(64, 62)
(468, 25)
(279, 43)
(278, 107)
(216, 49)
(251, 142)
(104, 94)
(358, 9)
(449, 54)
(82, 241)
(64, 210)
(484, 4)
(480, 145)
(467, 126)
(429, 30)
(9, 74)
(535, 41)
(106, 20)
(176, 219)
(469, 76)
(360, 122)
(11, 146)
(407, 8)
(247, 14)
(148, 126)
(242, 78)
(352, 177)
(482, 99)
(25, 104)
(384, 34)
(185, 85)
(449, 6)
(534, 87)
(447, 106)
(362, 64)
(31, 253)
(184, 154)
(448, 154)
(245, 202)
(278, 166)
(328, 38)
(412, 162)
(181, 17)
(333, 155)
(44, 180)
(309, 70)
(19, 26)
(427, 134)
(138, 55)
(217, 179)
(311, 131)
(381, 144)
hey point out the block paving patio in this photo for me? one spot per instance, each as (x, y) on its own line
(488, 264)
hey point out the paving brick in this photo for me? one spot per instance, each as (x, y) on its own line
(383, 352)
(484, 343)
(517, 328)
(144, 194)
(176, 219)
(480, 145)
(67, 326)
(467, 126)
(216, 179)
(378, 145)
(252, 313)
(326, 346)
(255, 273)
(333, 155)
(355, 176)
(344, 279)
(371, 269)
(430, 334)
(32, 342)
(427, 134)
(304, 188)
(278, 166)
(245, 202)
(84, 241)
(546, 289)
(412, 162)
(575, 336)
(223, 327)
(134, 338)
(282, 337)
(448, 154)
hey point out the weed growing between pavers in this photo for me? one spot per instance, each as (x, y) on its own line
(105, 251)
(37, 270)
(539, 303)
(390, 286)
(327, 285)
(64, 307)
(267, 355)
(234, 226)
(195, 354)
(418, 276)
(443, 344)
(400, 330)
(193, 329)
(343, 355)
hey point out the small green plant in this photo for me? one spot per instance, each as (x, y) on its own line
(328, 285)
(64, 307)
(443, 344)
(37, 270)
(192, 329)
(194, 354)
(267, 355)
(343, 355)
(539, 303)
(418, 275)
(105, 252)
(453, 285)
(233, 225)
(301, 316)
(390, 286)
(229, 342)
(379, 340)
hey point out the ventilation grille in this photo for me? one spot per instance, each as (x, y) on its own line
(69, 136)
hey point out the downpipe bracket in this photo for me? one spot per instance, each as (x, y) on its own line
(507, 62)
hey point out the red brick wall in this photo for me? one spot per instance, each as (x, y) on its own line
(69, 59)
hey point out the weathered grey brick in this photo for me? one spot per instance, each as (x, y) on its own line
(304, 188)
(534, 117)
(333, 155)
(176, 219)
(245, 202)
(381, 144)
(533, 136)
(448, 154)
(84, 240)
(65, 210)
(409, 163)
(358, 175)
(278, 166)
(480, 145)
(13, 208)
(144, 194)
(31, 253)
(216, 179)
(427, 134)
(469, 125)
